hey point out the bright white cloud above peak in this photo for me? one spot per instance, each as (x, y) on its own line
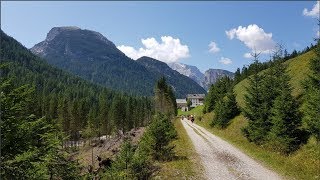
(213, 47)
(168, 50)
(254, 37)
(314, 12)
(224, 60)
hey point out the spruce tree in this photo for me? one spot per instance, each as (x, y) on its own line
(311, 106)
(225, 110)
(285, 118)
(165, 101)
(256, 108)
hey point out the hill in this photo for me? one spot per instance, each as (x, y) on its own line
(68, 100)
(93, 57)
(181, 84)
(297, 68)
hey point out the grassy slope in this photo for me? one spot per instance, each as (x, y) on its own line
(298, 69)
(187, 164)
(303, 164)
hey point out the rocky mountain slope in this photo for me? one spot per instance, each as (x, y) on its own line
(180, 83)
(204, 80)
(92, 56)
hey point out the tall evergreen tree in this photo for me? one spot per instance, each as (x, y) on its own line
(311, 105)
(285, 118)
(256, 110)
(165, 101)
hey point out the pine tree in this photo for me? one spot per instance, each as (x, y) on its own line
(256, 109)
(311, 105)
(30, 145)
(285, 118)
(165, 101)
(225, 110)
(161, 132)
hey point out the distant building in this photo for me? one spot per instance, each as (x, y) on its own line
(182, 104)
(196, 99)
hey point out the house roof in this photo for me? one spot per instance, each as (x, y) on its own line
(196, 95)
(181, 101)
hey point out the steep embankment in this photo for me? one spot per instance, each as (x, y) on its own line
(297, 68)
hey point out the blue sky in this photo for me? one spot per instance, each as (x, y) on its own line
(174, 31)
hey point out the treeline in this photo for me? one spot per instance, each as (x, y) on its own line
(137, 162)
(60, 106)
(274, 117)
(68, 100)
(279, 56)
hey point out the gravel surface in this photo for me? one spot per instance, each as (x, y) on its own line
(223, 161)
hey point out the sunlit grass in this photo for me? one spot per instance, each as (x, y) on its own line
(303, 164)
(298, 69)
(187, 164)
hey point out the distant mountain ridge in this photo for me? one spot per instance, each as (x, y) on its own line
(204, 80)
(92, 56)
(180, 83)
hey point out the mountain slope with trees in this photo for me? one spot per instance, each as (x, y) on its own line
(93, 57)
(279, 120)
(181, 84)
(42, 107)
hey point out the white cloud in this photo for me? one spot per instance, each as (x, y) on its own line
(224, 60)
(314, 12)
(213, 47)
(247, 55)
(253, 37)
(169, 50)
(318, 34)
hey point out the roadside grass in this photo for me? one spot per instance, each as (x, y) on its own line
(186, 164)
(197, 111)
(303, 164)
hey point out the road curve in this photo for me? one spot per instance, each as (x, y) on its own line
(221, 160)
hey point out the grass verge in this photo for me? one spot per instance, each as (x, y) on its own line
(187, 164)
(303, 164)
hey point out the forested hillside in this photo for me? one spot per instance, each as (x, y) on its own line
(278, 121)
(39, 102)
(181, 84)
(93, 57)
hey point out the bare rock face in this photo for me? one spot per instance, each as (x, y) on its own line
(212, 75)
(204, 80)
(93, 57)
(190, 71)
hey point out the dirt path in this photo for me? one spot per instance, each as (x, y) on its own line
(223, 161)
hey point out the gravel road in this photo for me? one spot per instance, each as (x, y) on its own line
(223, 161)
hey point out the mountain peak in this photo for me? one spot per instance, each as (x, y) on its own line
(57, 30)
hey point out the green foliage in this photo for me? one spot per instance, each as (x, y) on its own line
(165, 101)
(285, 136)
(37, 118)
(255, 110)
(272, 112)
(217, 92)
(29, 145)
(158, 137)
(261, 92)
(311, 105)
(71, 102)
(130, 163)
(189, 103)
(225, 110)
